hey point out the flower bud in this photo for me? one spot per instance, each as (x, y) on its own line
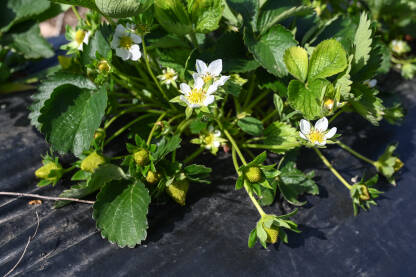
(329, 104)
(92, 162)
(103, 66)
(272, 234)
(254, 175)
(152, 177)
(364, 194)
(178, 191)
(398, 164)
(44, 171)
(141, 157)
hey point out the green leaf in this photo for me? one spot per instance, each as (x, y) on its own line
(101, 176)
(278, 104)
(16, 11)
(196, 169)
(165, 146)
(251, 126)
(71, 116)
(308, 100)
(343, 82)
(249, 9)
(97, 44)
(327, 59)
(47, 87)
(368, 105)
(362, 42)
(31, 44)
(197, 126)
(269, 49)
(121, 212)
(282, 136)
(172, 16)
(296, 60)
(274, 11)
(252, 238)
(239, 65)
(206, 14)
(293, 183)
(83, 3)
(388, 164)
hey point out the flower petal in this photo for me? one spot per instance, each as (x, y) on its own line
(212, 88)
(124, 54)
(221, 81)
(135, 38)
(209, 100)
(321, 125)
(199, 83)
(216, 144)
(87, 38)
(305, 127)
(303, 136)
(201, 67)
(184, 88)
(321, 143)
(215, 67)
(135, 52)
(331, 133)
(195, 76)
(115, 43)
(217, 133)
(183, 98)
(120, 30)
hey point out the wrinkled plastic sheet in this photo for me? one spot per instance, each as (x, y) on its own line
(208, 237)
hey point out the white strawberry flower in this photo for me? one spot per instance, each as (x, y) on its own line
(197, 96)
(318, 134)
(210, 72)
(126, 44)
(399, 46)
(82, 37)
(371, 83)
(168, 77)
(77, 39)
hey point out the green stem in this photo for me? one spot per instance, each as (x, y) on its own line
(333, 170)
(335, 115)
(195, 154)
(269, 147)
(146, 59)
(74, 9)
(355, 153)
(234, 144)
(270, 115)
(194, 40)
(250, 194)
(123, 112)
(69, 169)
(257, 100)
(250, 89)
(125, 127)
(149, 139)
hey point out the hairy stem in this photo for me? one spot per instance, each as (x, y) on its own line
(30, 195)
(333, 170)
(355, 153)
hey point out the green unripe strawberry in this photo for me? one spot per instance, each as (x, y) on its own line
(364, 194)
(254, 174)
(272, 235)
(152, 177)
(92, 162)
(141, 157)
(178, 191)
(44, 171)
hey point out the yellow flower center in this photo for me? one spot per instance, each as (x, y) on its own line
(169, 75)
(316, 136)
(207, 78)
(79, 36)
(209, 139)
(329, 104)
(196, 96)
(126, 42)
(397, 48)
